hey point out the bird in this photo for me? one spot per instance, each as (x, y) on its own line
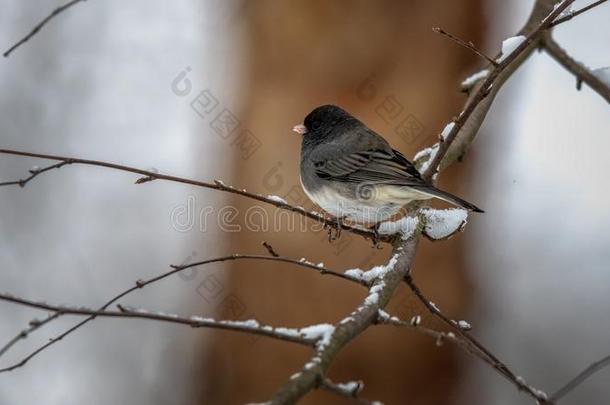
(353, 173)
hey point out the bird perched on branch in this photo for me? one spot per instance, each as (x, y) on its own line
(353, 173)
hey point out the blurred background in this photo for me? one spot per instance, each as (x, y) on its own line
(210, 90)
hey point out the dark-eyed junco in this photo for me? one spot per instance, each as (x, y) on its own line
(353, 173)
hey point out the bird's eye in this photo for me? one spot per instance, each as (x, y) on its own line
(316, 125)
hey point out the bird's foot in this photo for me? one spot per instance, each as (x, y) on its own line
(376, 236)
(338, 226)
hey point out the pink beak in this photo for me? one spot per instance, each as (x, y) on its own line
(300, 129)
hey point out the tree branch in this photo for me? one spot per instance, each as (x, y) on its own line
(479, 101)
(440, 337)
(349, 390)
(249, 326)
(216, 185)
(477, 347)
(34, 172)
(573, 14)
(41, 24)
(580, 378)
(386, 319)
(582, 73)
(468, 45)
(34, 324)
(350, 327)
(139, 284)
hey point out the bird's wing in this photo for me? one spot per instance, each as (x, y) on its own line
(375, 165)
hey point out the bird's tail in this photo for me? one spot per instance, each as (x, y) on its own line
(450, 198)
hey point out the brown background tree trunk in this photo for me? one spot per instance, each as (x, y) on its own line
(381, 61)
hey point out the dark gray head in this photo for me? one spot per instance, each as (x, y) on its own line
(324, 122)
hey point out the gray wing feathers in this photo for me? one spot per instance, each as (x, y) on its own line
(386, 167)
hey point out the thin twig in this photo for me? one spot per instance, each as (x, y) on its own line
(580, 378)
(582, 73)
(34, 324)
(33, 173)
(41, 24)
(573, 14)
(303, 263)
(493, 360)
(483, 89)
(249, 326)
(216, 185)
(438, 336)
(465, 342)
(468, 45)
(270, 249)
(348, 390)
(441, 337)
(175, 269)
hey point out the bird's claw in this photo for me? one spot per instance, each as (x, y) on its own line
(376, 236)
(338, 226)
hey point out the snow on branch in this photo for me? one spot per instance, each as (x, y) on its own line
(302, 336)
(509, 45)
(469, 82)
(365, 315)
(437, 224)
(405, 227)
(471, 117)
(369, 276)
(350, 390)
(569, 14)
(139, 284)
(443, 224)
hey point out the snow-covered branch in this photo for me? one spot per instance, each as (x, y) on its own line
(302, 335)
(344, 331)
(139, 284)
(350, 390)
(454, 144)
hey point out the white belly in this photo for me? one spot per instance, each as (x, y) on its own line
(362, 211)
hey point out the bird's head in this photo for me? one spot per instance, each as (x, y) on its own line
(322, 120)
